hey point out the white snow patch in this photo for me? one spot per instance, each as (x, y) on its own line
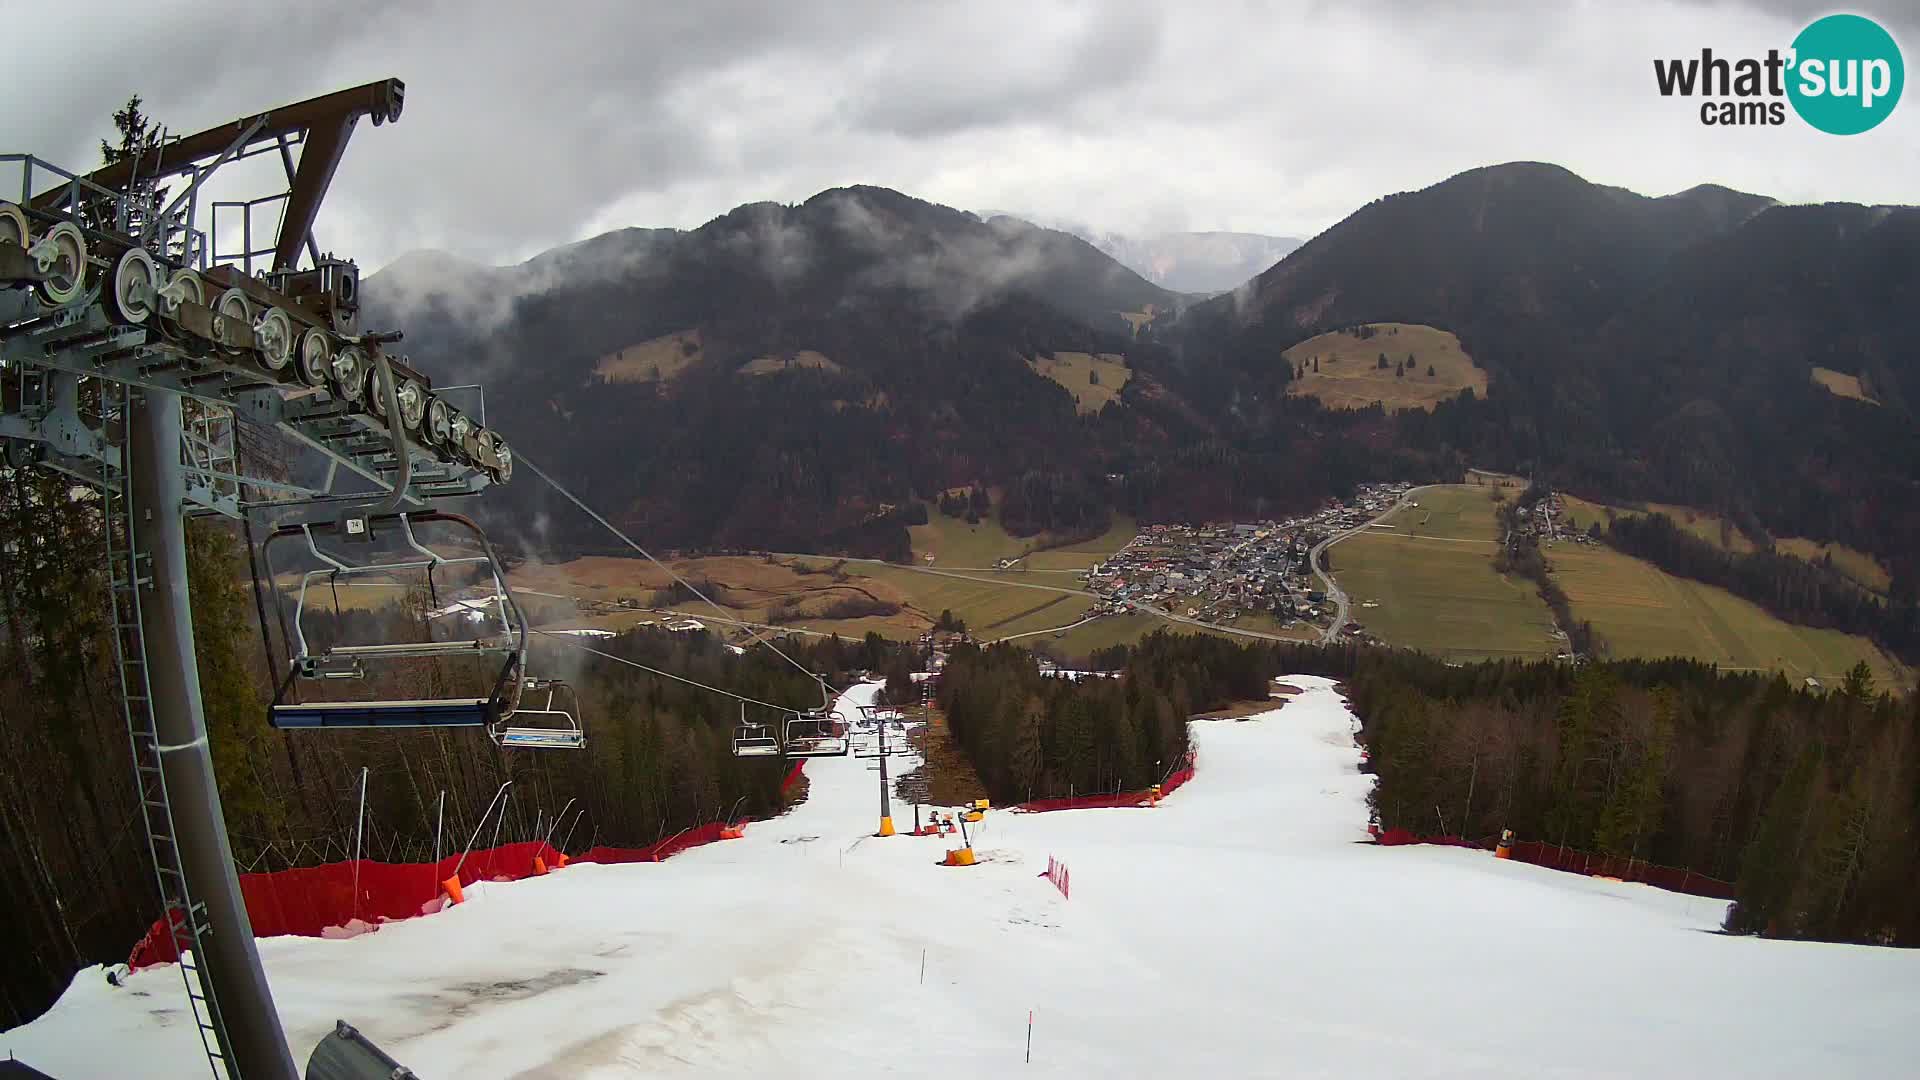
(1240, 929)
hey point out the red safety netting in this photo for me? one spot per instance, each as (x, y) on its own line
(1397, 837)
(1555, 857)
(1674, 879)
(672, 845)
(1124, 798)
(308, 901)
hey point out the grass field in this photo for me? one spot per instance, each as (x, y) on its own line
(1846, 386)
(1350, 376)
(1441, 595)
(953, 542)
(659, 359)
(1855, 564)
(773, 365)
(1084, 554)
(1458, 512)
(992, 609)
(1082, 641)
(1858, 565)
(747, 588)
(1641, 611)
(1428, 583)
(1267, 624)
(1076, 372)
(1436, 591)
(1704, 524)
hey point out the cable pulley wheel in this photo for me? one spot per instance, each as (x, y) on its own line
(13, 225)
(62, 254)
(349, 381)
(134, 288)
(438, 427)
(315, 358)
(233, 305)
(413, 404)
(184, 287)
(273, 339)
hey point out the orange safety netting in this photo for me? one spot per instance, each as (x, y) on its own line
(1555, 857)
(307, 901)
(1124, 798)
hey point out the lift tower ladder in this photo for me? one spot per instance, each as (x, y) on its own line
(129, 571)
(131, 351)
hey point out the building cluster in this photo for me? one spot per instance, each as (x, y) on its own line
(1221, 572)
(1547, 520)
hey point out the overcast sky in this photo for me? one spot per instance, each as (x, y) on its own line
(529, 125)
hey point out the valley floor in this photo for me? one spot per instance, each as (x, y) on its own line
(1240, 929)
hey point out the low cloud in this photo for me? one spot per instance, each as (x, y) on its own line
(528, 127)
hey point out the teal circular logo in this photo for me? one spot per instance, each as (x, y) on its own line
(1846, 75)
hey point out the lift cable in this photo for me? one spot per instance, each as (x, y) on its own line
(571, 640)
(629, 541)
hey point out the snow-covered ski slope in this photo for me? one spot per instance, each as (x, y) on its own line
(1240, 929)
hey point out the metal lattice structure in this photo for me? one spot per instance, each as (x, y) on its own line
(141, 359)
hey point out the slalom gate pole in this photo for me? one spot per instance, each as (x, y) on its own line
(493, 846)
(359, 834)
(554, 826)
(565, 840)
(481, 825)
(1029, 1036)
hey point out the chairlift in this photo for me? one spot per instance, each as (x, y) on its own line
(554, 725)
(815, 732)
(754, 740)
(504, 636)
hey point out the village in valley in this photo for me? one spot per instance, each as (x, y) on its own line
(1222, 572)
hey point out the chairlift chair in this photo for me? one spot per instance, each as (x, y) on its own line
(506, 639)
(754, 740)
(815, 732)
(554, 725)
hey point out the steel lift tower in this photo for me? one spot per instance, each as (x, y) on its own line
(133, 351)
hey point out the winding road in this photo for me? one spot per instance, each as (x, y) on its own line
(1340, 603)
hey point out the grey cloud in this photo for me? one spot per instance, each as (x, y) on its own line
(532, 125)
(935, 87)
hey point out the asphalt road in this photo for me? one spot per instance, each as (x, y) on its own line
(1339, 597)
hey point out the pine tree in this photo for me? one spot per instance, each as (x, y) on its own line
(1858, 686)
(1769, 868)
(1027, 757)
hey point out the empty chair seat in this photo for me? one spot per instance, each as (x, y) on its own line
(443, 712)
(528, 738)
